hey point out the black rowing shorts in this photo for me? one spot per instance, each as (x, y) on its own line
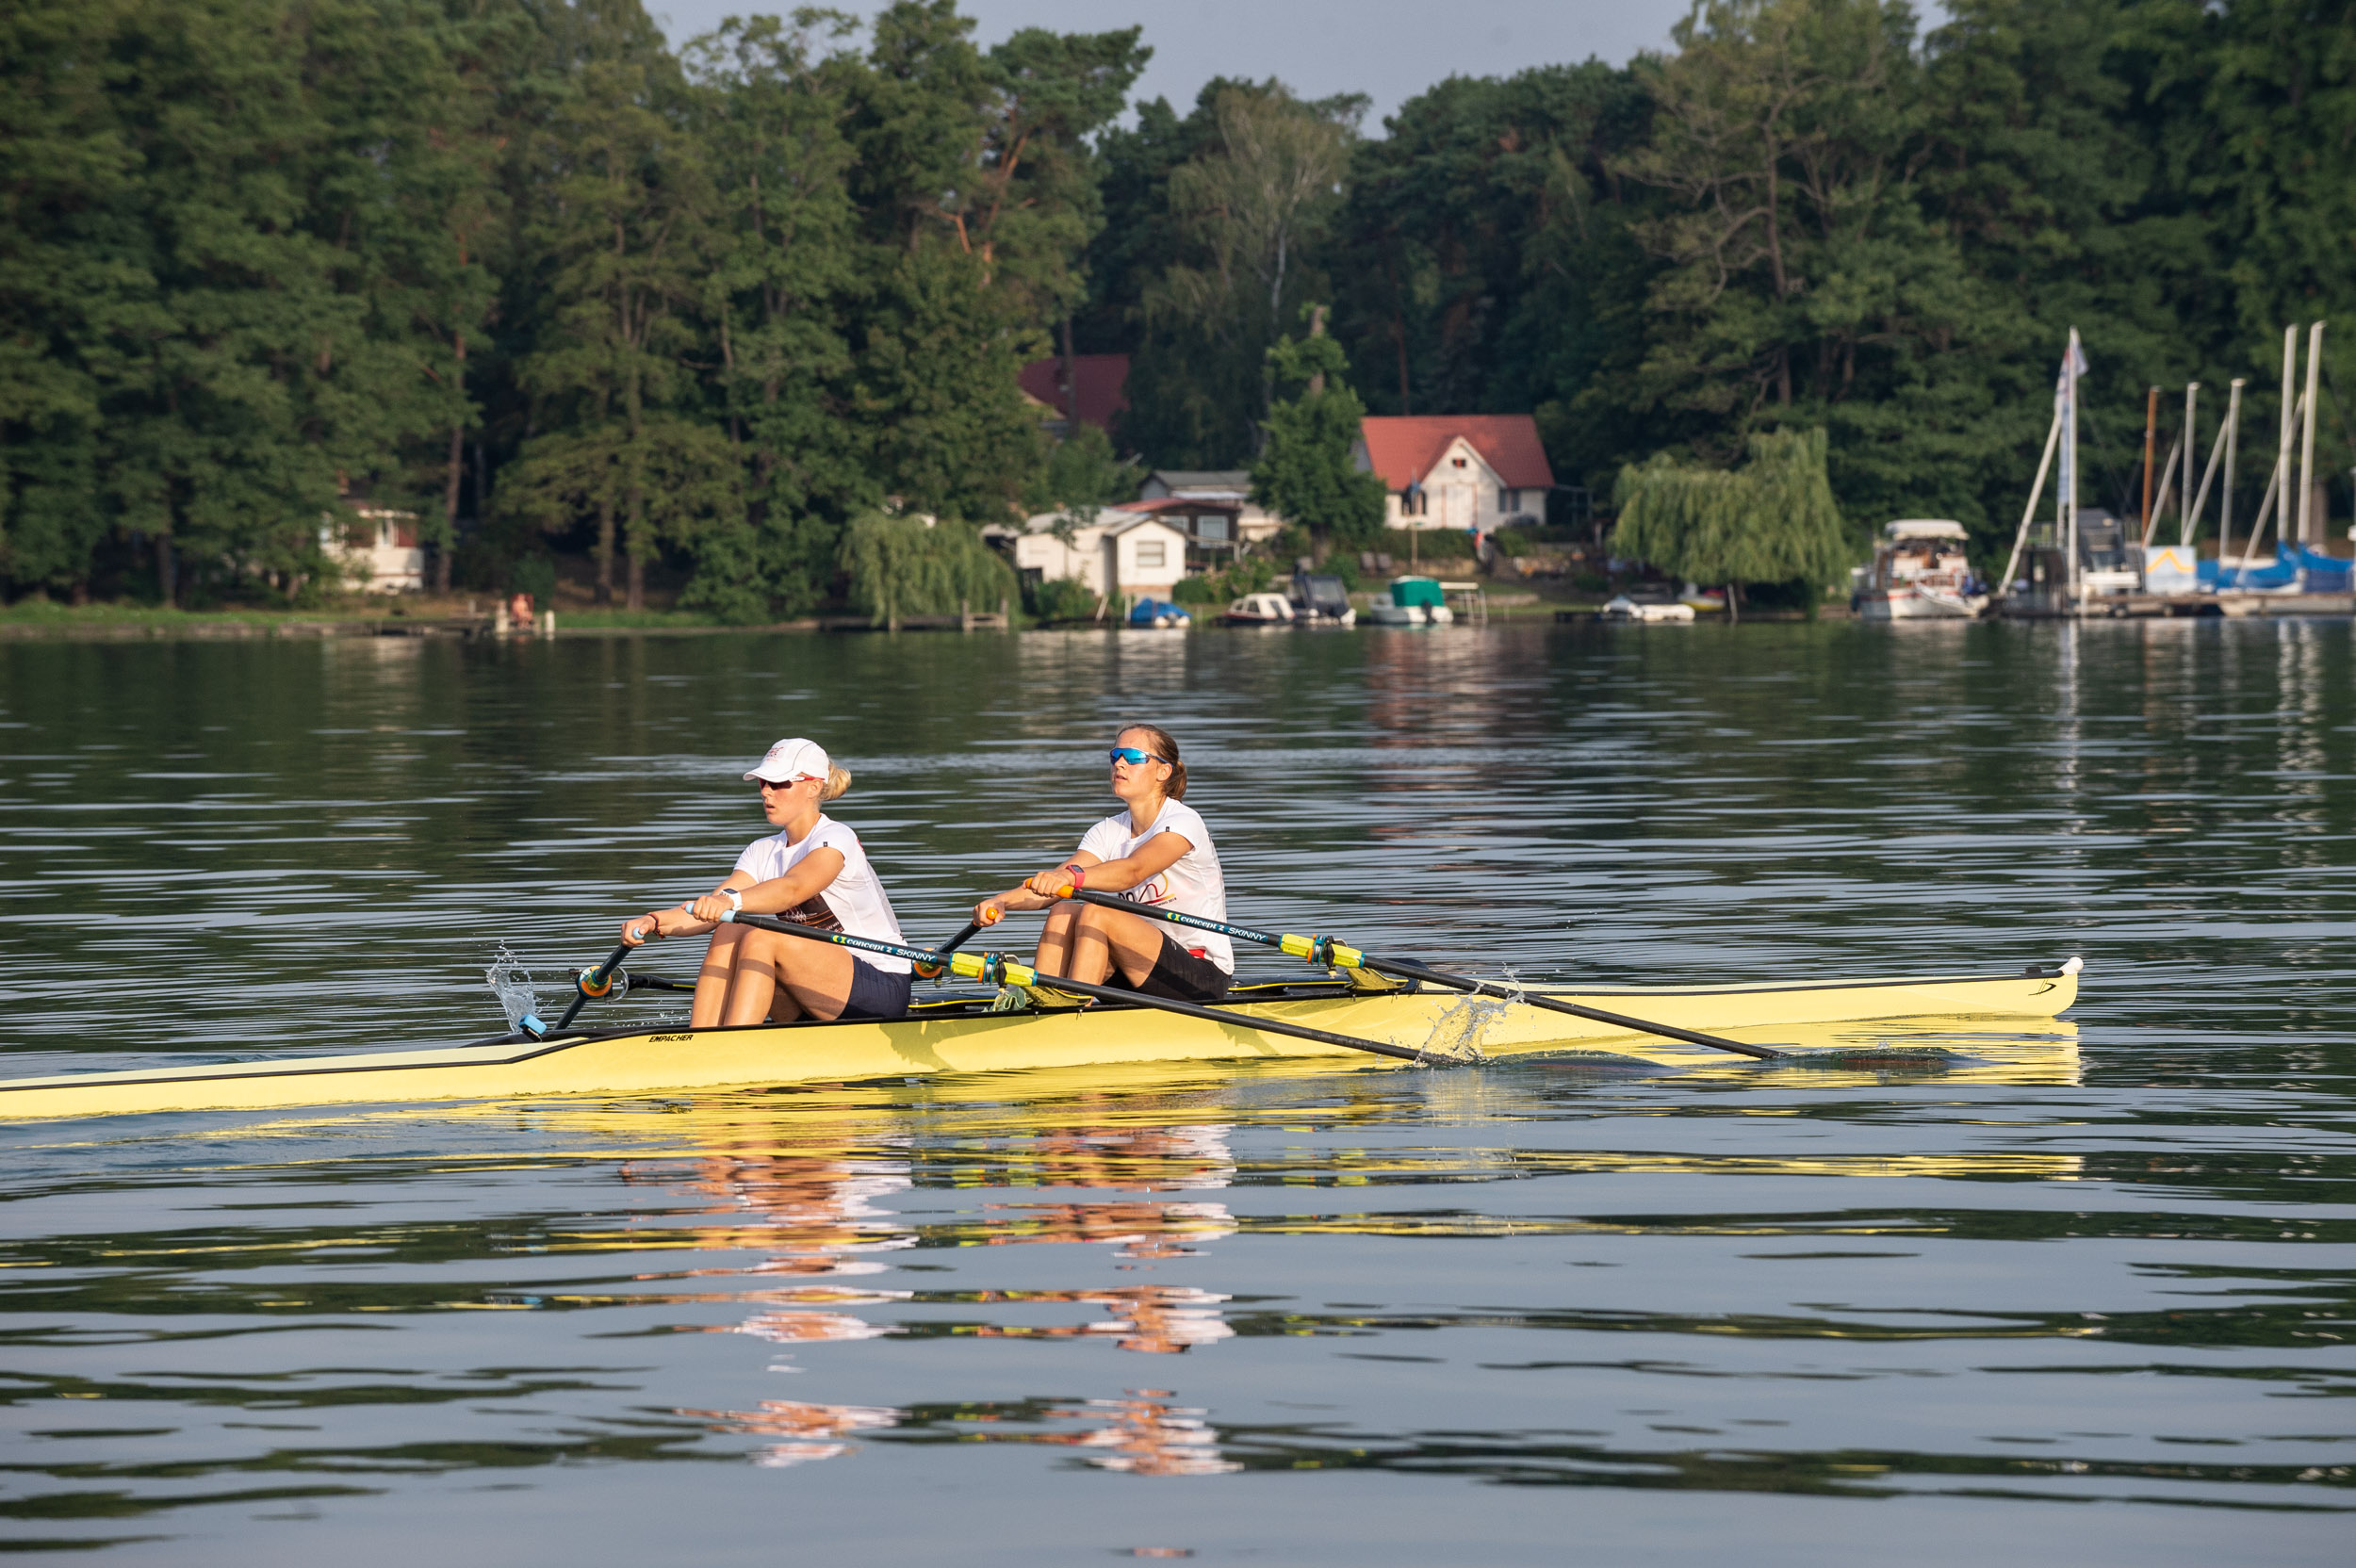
(1179, 973)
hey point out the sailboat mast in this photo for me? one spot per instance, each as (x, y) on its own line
(2307, 441)
(2233, 440)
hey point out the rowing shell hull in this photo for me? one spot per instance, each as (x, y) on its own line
(676, 1060)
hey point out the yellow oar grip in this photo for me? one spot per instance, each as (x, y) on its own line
(967, 964)
(1300, 947)
(1348, 958)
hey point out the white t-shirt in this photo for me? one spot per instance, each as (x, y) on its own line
(1192, 884)
(854, 901)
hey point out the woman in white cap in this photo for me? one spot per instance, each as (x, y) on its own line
(811, 872)
(1157, 851)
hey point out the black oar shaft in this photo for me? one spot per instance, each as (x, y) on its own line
(593, 981)
(1081, 987)
(1407, 968)
(972, 927)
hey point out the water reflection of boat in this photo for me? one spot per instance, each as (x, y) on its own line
(962, 1035)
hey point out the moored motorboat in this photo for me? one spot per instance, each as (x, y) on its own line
(1919, 574)
(1626, 608)
(964, 1034)
(1258, 610)
(1414, 601)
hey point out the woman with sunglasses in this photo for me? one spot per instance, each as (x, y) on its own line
(811, 872)
(1157, 851)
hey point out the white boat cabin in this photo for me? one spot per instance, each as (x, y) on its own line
(1920, 572)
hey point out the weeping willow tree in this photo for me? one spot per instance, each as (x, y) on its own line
(1773, 520)
(903, 567)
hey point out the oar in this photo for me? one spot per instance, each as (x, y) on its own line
(996, 969)
(972, 928)
(1325, 950)
(593, 981)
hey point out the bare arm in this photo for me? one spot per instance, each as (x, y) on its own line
(1038, 892)
(816, 873)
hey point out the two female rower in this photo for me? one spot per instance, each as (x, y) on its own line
(1157, 853)
(811, 872)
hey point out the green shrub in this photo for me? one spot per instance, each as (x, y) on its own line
(1060, 598)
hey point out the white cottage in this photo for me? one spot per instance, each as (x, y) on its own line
(379, 552)
(1473, 471)
(1126, 552)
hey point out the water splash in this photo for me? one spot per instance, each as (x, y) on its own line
(511, 984)
(1455, 1038)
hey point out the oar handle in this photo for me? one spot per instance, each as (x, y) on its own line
(1325, 950)
(998, 969)
(972, 928)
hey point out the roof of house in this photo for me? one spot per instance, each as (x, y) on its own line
(1402, 448)
(1109, 520)
(1202, 483)
(1100, 385)
(1196, 502)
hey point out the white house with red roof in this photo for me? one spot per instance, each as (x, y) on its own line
(1473, 471)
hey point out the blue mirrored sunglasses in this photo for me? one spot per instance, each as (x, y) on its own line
(1135, 758)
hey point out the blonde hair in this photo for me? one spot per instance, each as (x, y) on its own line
(1165, 747)
(838, 784)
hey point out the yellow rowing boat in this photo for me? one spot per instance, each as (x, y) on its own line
(961, 1035)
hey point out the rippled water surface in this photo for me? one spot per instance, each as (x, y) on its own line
(1287, 1314)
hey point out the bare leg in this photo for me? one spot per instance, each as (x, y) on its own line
(1054, 943)
(1107, 938)
(711, 985)
(782, 978)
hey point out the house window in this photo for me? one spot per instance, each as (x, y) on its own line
(1509, 500)
(1211, 530)
(1150, 553)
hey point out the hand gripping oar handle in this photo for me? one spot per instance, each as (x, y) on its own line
(996, 969)
(972, 928)
(1325, 950)
(593, 981)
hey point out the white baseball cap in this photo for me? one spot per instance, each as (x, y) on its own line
(790, 759)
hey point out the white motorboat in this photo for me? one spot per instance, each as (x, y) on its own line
(1919, 574)
(1626, 608)
(1259, 609)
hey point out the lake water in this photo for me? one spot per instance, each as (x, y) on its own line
(1292, 1316)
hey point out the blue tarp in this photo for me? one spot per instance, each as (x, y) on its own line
(1146, 612)
(2282, 572)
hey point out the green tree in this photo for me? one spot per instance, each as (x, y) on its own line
(1773, 522)
(972, 180)
(623, 224)
(1246, 211)
(784, 265)
(1306, 473)
(901, 565)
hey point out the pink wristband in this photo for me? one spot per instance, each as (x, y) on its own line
(1079, 875)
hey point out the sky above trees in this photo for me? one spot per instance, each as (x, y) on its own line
(1389, 49)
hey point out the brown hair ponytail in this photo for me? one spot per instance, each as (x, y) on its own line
(1165, 747)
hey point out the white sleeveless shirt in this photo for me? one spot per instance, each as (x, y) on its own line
(854, 901)
(1192, 884)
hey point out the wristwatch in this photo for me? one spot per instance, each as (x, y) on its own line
(735, 897)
